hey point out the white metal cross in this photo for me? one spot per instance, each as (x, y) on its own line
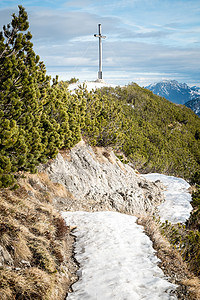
(100, 36)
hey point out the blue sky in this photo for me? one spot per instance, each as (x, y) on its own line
(147, 40)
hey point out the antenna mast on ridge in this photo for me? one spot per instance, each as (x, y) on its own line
(100, 51)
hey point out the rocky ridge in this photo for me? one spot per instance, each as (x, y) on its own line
(95, 179)
(83, 178)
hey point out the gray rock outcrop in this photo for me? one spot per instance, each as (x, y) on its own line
(5, 258)
(97, 180)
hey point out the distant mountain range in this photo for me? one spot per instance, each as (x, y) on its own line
(179, 93)
(194, 105)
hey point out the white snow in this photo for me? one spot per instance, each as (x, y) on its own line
(90, 85)
(177, 207)
(117, 261)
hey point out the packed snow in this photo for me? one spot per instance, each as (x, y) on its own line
(90, 85)
(117, 260)
(177, 207)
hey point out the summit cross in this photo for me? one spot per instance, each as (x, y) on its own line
(100, 36)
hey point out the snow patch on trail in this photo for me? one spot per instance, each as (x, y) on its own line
(90, 85)
(117, 260)
(177, 207)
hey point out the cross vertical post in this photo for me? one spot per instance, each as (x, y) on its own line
(100, 36)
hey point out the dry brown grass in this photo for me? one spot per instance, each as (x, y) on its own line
(43, 188)
(65, 154)
(38, 243)
(21, 249)
(101, 154)
(104, 155)
(172, 262)
(194, 287)
(31, 283)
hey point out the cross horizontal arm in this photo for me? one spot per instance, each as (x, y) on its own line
(100, 36)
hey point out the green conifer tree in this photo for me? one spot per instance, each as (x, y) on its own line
(23, 88)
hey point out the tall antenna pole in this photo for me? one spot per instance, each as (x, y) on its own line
(100, 36)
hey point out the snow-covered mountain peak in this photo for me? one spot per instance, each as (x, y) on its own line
(174, 91)
(169, 84)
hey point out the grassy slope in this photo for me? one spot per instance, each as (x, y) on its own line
(36, 246)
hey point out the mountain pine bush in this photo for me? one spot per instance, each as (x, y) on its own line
(38, 118)
(155, 134)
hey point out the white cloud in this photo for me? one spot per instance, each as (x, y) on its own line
(72, 61)
(137, 42)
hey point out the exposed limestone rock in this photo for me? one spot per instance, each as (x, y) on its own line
(5, 258)
(97, 180)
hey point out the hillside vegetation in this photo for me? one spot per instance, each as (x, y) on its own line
(154, 134)
(186, 237)
(37, 119)
(35, 249)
